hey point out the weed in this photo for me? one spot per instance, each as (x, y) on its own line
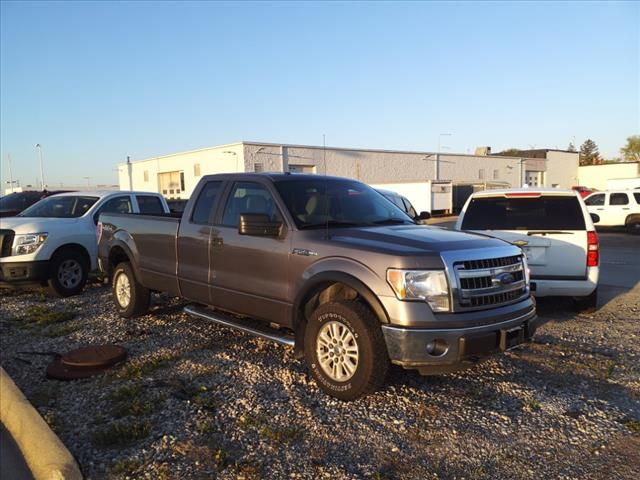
(43, 315)
(121, 434)
(129, 400)
(633, 425)
(532, 403)
(138, 369)
(125, 468)
(278, 434)
(54, 331)
(205, 426)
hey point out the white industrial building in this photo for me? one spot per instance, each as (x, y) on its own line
(176, 175)
(601, 177)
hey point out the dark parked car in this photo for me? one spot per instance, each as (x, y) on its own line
(405, 205)
(16, 202)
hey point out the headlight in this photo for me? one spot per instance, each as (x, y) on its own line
(27, 243)
(427, 285)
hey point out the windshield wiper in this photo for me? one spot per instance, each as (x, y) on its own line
(391, 221)
(330, 223)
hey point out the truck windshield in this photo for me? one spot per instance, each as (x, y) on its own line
(316, 203)
(541, 213)
(68, 206)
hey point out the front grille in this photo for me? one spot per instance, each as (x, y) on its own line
(490, 282)
(6, 242)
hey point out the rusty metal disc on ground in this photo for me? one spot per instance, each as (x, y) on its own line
(95, 356)
(85, 362)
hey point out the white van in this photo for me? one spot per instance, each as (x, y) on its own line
(553, 228)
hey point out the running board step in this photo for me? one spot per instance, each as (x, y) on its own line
(237, 324)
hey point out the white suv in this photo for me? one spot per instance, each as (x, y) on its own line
(553, 228)
(615, 208)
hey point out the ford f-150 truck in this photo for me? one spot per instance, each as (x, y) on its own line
(329, 266)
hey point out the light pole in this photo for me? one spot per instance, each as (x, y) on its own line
(39, 147)
(88, 181)
(437, 165)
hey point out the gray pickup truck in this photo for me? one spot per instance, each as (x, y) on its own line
(329, 266)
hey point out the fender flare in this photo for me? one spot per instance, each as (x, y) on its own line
(122, 244)
(326, 278)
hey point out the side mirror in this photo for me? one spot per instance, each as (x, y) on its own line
(96, 216)
(259, 225)
(595, 217)
(423, 216)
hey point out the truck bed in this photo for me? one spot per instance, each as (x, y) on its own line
(152, 241)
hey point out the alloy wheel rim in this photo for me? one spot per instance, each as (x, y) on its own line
(69, 273)
(123, 290)
(337, 351)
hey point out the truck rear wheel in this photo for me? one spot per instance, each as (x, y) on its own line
(130, 297)
(345, 349)
(69, 272)
(586, 304)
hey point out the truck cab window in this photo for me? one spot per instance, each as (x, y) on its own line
(619, 199)
(205, 205)
(149, 205)
(249, 197)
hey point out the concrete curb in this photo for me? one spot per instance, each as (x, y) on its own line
(45, 454)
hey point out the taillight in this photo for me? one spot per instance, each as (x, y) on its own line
(593, 250)
(99, 231)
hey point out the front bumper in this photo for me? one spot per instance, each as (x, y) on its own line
(15, 273)
(456, 348)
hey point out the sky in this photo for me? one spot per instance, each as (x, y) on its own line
(94, 82)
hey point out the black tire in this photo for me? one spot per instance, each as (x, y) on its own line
(68, 273)
(124, 280)
(370, 369)
(633, 224)
(586, 304)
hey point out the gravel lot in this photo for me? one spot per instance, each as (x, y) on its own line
(196, 400)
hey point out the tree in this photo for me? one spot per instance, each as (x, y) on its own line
(631, 151)
(589, 154)
(571, 147)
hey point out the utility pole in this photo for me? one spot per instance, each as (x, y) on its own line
(10, 174)
(437, 165)
(39, 147)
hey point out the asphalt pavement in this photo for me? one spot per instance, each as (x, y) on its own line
(12, 464)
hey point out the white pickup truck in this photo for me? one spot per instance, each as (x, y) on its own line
(54, 242)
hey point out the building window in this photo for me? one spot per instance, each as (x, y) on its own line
(496, 174)
(481, 174)
(146, 175)
(196, 170)
(171, 183)
(302, 168)
(258, 167)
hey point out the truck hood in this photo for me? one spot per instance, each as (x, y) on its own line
(36, 224)
(412, 239)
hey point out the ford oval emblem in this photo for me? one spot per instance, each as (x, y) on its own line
(504, 278)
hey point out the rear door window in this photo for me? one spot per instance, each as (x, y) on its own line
(618, 199)
(149, 204)
(595, 200)
(636, 195)
(205, 207)
(540, 213)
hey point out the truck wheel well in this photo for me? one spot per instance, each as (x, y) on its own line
(331, 291)
(116, 256)
(74, 247)
(633, 219)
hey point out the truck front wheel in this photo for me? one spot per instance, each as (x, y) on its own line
(69, 272)
(345, 349)
(130, 297)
